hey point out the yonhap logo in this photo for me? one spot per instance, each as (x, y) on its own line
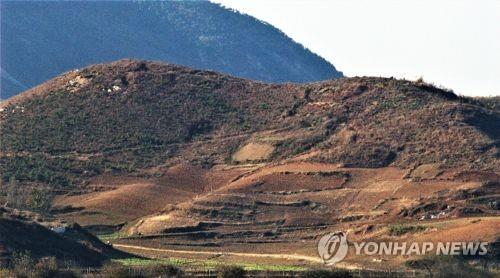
(332, 247)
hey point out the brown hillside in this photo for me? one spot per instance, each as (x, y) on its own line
(195, 160)
(110, 114)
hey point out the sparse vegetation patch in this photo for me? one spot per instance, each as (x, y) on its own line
(402, 229)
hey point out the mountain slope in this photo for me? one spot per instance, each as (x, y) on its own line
(131, 114)
(43, 39)
(192, 160)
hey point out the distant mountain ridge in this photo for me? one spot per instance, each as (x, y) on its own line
(43, 39)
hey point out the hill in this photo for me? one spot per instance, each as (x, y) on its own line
(179, 158)
(45, 38)
(20, 233)
(131, 114)
(490, 102)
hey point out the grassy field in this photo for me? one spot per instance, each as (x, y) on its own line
(113, 236)
(205, 264)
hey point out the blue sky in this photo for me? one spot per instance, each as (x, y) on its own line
(452, 43)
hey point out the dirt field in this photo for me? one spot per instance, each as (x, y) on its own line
(245, 213)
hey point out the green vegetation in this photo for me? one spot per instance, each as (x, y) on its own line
(147, 262)
(33, 198)
(492, 103)
(401, 229)
(324, 273)
(204, 264)
(113, 236)
(264, 106)
(263, 267)
(39, 168)
(230, 271)
(114, 270)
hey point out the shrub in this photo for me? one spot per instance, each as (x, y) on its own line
(326, 273)
(448, 266)
(56, 273)
(115, 271)
(230, 271)
(4, 272)
(264, 106)
(22, 264)
(398, 230)
(48, 268)
(47, 263)
(39, 200)
(163, 271)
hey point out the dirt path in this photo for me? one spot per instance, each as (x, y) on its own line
(253, 255)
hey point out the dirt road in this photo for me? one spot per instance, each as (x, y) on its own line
(237, 254)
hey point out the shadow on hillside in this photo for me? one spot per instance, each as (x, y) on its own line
(487, 123)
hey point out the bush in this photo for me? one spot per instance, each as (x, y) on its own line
(4, 272)
(112, 270)
(46, 267)
(115, 271)
(57, 273)
(230, 272)
(448, 266)
(398, 230)
(37, 199)
(324, 273)
(22, 264)
(163, 271)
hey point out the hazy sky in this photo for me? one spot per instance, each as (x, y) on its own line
(452, 43)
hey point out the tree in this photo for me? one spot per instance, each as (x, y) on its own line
(39, 200)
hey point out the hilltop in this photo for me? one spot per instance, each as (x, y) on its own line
(179, 158)
(43, 39)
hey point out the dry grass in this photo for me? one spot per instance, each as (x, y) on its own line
(253, 151)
